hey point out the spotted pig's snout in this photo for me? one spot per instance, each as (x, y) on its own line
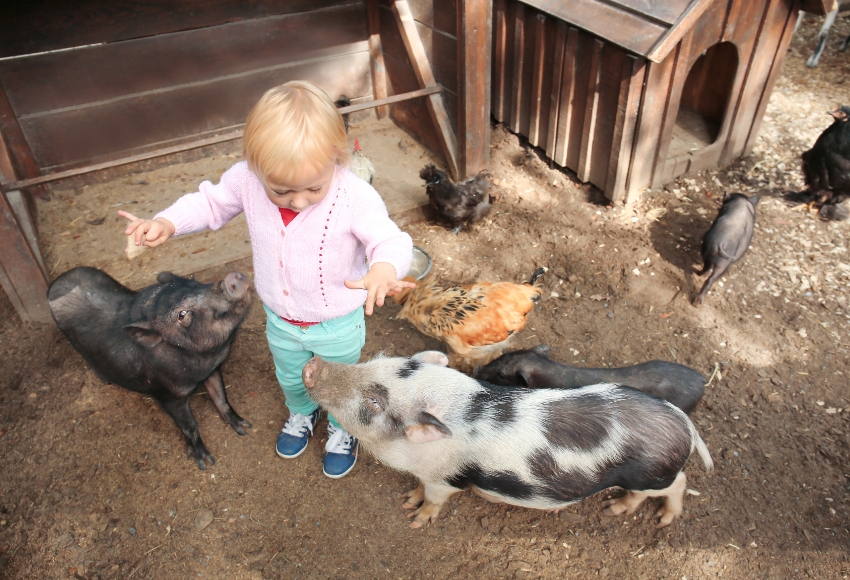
(311, 372)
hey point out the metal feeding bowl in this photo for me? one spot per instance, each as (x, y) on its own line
(421, 264)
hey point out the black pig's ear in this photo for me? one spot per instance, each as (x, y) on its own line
(754, 199)
(543, 350)
(524, 378)
(166, 277)
(142, 333)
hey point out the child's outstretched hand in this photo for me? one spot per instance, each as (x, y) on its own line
(380, 281)
(150, 233)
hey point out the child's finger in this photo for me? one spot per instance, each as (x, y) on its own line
(370, 302)
(134, 222)
(355, 284)
(142, 233)
(379, 296)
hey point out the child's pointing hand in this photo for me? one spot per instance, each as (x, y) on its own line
(380, 281)
(151, 233)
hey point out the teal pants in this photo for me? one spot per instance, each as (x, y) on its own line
(338, 340)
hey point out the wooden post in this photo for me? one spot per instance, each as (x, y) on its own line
(376, 56)
(22, 273)
(425, 76)
(474, 35)
(19, 152)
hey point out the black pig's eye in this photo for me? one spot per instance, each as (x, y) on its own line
(503, 374)
(184, 317)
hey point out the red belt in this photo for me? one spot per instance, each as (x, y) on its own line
(298, 322)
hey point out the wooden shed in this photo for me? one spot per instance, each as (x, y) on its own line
(631, 94)
(94, 84)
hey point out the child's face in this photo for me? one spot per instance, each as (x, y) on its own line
(307, 186)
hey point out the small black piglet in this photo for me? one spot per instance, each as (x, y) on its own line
(677, 384)
(728, 238)
(164, 341)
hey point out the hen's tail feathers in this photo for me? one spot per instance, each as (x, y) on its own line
(537, 274)
(798, 197)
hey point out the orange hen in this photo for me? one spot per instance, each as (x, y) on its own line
(476, 321)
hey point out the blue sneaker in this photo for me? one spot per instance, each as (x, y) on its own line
(340, 452)
(293, 438)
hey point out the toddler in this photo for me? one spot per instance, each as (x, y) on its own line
(314, 226)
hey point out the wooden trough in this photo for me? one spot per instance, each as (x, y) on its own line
(92, 85)
(631, 94)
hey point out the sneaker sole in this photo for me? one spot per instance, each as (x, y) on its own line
(290, 456)
(344, 473)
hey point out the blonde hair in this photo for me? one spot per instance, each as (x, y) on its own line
(293, 124)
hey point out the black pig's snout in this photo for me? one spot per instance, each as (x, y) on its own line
(310, 372)
(236, 285)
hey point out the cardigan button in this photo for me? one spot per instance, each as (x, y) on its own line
(286, 292)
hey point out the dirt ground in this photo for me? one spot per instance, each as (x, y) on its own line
(95, 483)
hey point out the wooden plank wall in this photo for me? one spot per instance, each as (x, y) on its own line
(609, 115)
(167, 70)
(436, 22)
(570, 93)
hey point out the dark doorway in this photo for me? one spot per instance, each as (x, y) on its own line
(705, 98)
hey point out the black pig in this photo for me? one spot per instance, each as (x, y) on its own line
(164, 341)
(675, 383)
(728, 238)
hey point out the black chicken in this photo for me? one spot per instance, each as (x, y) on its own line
(341, 102)
(826, 169)
(456, 204)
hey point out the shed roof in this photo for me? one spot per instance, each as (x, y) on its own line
(650, 28)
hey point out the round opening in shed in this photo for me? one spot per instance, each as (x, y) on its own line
(705, 99)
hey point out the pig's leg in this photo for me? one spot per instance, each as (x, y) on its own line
(182, 414)
(673, 498)
(435, 495)
(719, 269)
(215, 387)
(672, 508)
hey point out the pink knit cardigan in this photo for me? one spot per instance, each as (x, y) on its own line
(299, 269)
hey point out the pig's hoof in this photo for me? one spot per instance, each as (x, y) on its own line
(202, 457)
(414, 498)
(667, 516)
(628, 504)
(424, 515)
(237, 423)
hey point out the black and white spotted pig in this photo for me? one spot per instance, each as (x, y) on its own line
(541, 449)
(532, 368)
